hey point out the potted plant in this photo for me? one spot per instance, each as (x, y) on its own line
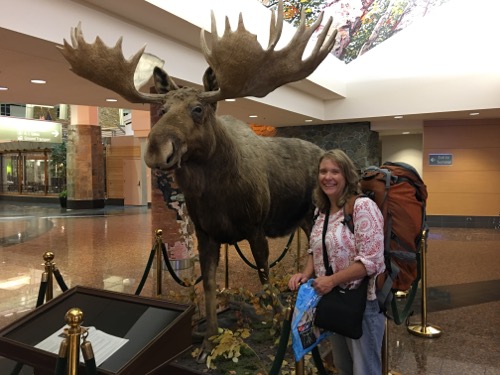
(63, 197)
(58, 158)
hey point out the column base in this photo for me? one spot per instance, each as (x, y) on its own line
(81, 204)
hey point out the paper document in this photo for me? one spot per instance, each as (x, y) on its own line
(103, 344)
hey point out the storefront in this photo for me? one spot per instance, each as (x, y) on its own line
(27, 168)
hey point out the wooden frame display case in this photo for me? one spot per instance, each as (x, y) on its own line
(157, 330)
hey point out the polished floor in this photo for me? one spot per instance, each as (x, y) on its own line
(109, 249)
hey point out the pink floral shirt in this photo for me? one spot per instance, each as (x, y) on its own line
(344, 247)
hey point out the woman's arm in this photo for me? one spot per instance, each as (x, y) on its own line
(324, 284)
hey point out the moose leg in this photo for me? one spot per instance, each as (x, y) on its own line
(209, 253)
(260, 251)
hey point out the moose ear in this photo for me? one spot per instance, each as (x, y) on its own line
(163, 82)
(210, 80)
(210, 83)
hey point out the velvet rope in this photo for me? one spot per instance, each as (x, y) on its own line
(146, 271)
(171, 269)
(41, 293)
(285, 250)
(60, 280)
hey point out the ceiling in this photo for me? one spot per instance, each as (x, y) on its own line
(24, 58)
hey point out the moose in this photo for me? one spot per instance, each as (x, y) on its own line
(237, 185)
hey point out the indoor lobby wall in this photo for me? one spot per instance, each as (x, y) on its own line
(468, 189)
(405, 148)
(120, 149)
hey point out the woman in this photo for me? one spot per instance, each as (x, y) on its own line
(351, 256)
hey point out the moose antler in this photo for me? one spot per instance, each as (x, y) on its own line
(106, 66)
(243, 68)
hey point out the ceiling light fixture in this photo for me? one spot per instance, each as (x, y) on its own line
(398, 117)
(2, 88)
(308, 120)
(111, 100)
(253, 116)
(405, 133)
(473, 114)
(230, 100)
(38, 81)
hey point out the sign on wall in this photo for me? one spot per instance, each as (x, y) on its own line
(17, 129)
(440, 159)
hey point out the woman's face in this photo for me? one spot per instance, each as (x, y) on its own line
(331, 180)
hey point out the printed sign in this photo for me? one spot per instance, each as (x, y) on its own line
(17, 129)
(440, 159)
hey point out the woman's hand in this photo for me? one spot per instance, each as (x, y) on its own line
(323, 284)
(296, 280)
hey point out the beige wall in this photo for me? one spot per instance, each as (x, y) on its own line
(405, 148)
(471, 185)
(121, 148)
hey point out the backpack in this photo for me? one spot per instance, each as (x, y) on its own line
(401, 195)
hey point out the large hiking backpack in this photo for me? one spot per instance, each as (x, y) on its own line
(401, 195)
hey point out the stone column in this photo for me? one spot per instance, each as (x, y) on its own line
(169, 210)
(85, 160)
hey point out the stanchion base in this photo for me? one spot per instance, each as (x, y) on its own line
(425, 331)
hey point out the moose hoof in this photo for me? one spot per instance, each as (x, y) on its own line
(202, 356)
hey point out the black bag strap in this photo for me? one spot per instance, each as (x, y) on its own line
(328, 267)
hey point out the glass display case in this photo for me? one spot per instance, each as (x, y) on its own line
(156, 330)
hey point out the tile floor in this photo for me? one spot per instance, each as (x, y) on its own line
(109, 249)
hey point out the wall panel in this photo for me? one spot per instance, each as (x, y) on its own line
(471, 184)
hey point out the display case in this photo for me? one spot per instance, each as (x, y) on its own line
(157, 330)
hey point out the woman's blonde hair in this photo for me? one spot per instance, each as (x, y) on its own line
(350, 173)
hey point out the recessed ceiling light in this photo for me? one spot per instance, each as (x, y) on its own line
(405, 133)
(398, 117)
(111, 100)
(473, 114)
(308, 120)
(230, 100)
(2, 88)
(38, 81)
(253, 116)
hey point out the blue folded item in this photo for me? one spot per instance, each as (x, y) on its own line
(305, 336)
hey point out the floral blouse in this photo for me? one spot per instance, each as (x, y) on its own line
(343, 247)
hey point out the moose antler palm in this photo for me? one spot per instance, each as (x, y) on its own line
(241, 66)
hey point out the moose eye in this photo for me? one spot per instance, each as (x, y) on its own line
(197, 112)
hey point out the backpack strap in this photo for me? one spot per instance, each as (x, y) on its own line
(348, 210)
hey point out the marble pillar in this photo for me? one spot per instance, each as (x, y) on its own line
(169, 210)
(85, 160)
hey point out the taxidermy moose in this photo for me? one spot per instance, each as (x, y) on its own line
(237, 185)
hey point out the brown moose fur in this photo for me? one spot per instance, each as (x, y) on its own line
(237, 185)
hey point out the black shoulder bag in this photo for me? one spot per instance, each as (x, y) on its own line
(341, 310)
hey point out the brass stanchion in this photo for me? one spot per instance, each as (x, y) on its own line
(298, 251)
(158, 245)
(74, 317)
(385, 349)
(385, 352)
(226, 259)
(48, 274)
(299, 367)
(424, 329)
